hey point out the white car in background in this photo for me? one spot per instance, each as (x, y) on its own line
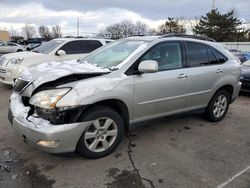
(10, 47)
(61, 49)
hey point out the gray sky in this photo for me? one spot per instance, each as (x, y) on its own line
(97, 14)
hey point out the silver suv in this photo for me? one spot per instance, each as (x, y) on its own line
(86, 106)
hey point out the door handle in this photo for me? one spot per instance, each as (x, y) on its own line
(219, 71)
(181, 76)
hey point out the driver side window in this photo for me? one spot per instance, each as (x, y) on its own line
(167, 55)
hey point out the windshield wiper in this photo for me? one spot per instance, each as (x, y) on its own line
(111, 68)
(35, 51)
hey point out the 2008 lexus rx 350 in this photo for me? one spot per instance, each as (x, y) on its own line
(87, 105)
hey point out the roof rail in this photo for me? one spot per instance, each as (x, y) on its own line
(188, 36)
(78, 37)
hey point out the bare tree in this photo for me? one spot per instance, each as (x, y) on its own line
(124, 29)
(28, 31)
(153, 31)
(45, 32)
(193, 23)
(140, 28)
(127, 28)
(56, 31)
(171, 26)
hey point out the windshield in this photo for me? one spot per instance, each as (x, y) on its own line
(47, 47)
(247, 63)
(113, 54)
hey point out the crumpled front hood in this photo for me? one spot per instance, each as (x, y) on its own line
(51, 71)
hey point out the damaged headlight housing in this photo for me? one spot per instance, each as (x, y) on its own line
(47, 99)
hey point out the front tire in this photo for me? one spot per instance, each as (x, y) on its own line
(19, 50)
(103, 136)
(218, 106)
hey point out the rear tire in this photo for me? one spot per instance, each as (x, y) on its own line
(218, 106)
(19, 50)
(103, 136)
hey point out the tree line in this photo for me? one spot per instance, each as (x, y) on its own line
(45, 32)
(221, 27)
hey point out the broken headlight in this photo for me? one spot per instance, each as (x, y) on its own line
(48, 98)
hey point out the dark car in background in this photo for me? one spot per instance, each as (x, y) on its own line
(247, 54)
(245, 76)
(239, 54)
(32, 46)
(34, 41)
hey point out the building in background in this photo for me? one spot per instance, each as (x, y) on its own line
(4, 35)
(241, 46)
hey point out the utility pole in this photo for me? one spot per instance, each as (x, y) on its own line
(213, 7)
(77, 27)
(12, 31)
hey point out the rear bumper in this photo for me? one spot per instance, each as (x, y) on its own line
(236, 91)
(34, 129)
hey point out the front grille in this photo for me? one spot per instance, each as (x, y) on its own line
(20, 85)
(2, 71)
(2, 60)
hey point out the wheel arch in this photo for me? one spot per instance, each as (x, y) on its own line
(119, 106)
(228, 87)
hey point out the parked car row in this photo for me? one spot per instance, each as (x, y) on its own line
(10, 47)
(242, 56)
(245, 76)
(62, 49)
(87, 105)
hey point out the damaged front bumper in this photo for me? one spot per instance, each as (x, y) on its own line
(41, 133)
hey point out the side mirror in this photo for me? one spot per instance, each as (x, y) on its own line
(148, 66)
(60, 53)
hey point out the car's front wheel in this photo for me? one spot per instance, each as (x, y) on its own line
(103, 135)
(218, 106)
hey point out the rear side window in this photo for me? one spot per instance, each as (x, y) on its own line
(212, 58)
(197, 54)
(90, 45)
(11, 44)
(73, 47)
(81, 46)
(221, 58)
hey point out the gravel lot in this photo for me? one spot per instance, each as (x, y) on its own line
(184, 151)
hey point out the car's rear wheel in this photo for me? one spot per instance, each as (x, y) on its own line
(19, 50)
(103, 135)
(218, 106)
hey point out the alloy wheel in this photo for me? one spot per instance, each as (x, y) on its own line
(101, 134)
(220, 106)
